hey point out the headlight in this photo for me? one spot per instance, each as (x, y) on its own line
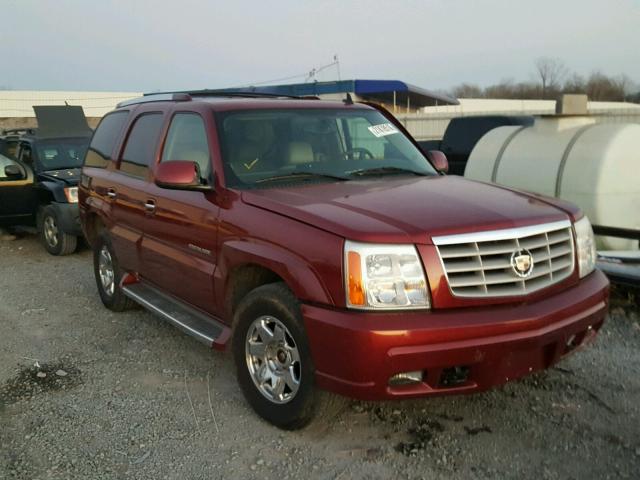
(72, 194)
(384, 277)
(586, 246)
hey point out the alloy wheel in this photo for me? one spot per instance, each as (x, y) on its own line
(273, 359)
(105, 270)
(50, 231)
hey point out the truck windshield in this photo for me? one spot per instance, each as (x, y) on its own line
(265, 147)
(59, 154)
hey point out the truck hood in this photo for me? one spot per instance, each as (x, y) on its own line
(405, 209)
(68, 176)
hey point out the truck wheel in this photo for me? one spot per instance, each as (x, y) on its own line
(54, 239)
(108, 275)
(273, 361)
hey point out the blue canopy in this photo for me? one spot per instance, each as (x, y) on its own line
(377, 90)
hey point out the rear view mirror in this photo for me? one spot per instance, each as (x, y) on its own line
(13, 171)
(438, 160)
(179, 175)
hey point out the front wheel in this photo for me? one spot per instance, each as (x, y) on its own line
(273, 361)
(54, 239)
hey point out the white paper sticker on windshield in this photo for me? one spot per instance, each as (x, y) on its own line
(383, 129)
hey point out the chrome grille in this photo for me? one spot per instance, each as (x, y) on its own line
(480, 264)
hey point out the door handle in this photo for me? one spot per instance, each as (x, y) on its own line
(111, 193)
(150, 206)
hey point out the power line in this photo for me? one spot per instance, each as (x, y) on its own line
(307, 75)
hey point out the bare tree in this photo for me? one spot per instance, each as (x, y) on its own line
(467, 90)
(551, 72)
(624, 85)
(574, 84)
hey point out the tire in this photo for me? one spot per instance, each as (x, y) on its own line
(273, 306)
(104, 259)
(55, 241)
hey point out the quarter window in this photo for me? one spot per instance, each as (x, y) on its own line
(187, 140)
(141, 144)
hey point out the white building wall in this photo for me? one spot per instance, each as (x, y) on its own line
(431, 122)
(19, 103)
(477, 106)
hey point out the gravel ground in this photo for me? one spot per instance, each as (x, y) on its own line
(128, 396)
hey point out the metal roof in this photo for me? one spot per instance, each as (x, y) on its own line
(380, 90)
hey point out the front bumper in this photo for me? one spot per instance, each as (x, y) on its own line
(356, 353)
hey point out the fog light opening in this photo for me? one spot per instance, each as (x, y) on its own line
(572, 343)
(406, 378)
(454, 376)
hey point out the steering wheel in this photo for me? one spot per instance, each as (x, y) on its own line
(358, 153)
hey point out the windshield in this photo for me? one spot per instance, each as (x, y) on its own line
(59, 154)
(265, 147)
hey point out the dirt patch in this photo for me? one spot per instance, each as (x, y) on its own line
(422, 434)
(38, 379)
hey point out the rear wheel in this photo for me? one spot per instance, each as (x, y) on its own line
(108, 276)
(54, 239)
(273, 361)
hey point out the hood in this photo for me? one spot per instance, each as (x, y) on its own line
(405, 209)
(69, 176)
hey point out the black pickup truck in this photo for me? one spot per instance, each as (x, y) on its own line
(463, 133)
(39, 173)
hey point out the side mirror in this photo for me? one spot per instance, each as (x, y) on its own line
(179, 175)
(438, 160)
(13, 171)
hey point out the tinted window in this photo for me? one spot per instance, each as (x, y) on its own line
(25, 153)
(10, 148)
(104, 138)
(187, 140)
(141, 144)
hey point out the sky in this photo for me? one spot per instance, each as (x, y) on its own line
(135, 45)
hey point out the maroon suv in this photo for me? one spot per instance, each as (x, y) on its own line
(329, 251)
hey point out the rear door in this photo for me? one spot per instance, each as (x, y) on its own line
(127, 185)
(17, 192)
(179, 245)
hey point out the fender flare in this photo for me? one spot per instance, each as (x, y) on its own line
(293, 269)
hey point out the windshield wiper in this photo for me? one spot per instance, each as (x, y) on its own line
(296, 175)
(384, 170)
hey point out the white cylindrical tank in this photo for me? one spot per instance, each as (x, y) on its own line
(594, 165)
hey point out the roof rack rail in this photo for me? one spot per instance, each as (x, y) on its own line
(187, 95)
(156, 97)
(237, 93)
(19, 131)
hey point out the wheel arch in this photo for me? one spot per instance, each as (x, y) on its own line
(246, 265)
(92, 225)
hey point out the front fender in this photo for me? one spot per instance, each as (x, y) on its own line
(54, 189)
(297, 273)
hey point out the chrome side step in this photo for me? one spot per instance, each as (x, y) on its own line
(206, 329)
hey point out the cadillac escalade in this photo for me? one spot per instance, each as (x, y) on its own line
(317, 242)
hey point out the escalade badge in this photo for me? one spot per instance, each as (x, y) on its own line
(522, 263)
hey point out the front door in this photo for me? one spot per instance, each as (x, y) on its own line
(179, 244)
(18, 198)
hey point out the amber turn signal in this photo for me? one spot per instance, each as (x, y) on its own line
(356, 290)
